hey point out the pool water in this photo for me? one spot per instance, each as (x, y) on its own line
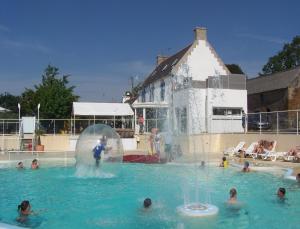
(113, 198)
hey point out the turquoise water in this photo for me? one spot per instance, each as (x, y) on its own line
(113, 198)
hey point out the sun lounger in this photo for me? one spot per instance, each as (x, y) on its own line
(234, 150)
(250, 150)
(269, 153)
(275, 155)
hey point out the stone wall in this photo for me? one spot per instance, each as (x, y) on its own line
(276, 100)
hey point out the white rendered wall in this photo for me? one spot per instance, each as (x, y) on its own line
(201, 63)
(226, 98)
(200, 103)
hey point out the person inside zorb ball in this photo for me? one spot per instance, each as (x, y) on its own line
(98, 144)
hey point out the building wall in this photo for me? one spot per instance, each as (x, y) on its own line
(276, 100)
(293, 98)
(212, 145)
(202, 62)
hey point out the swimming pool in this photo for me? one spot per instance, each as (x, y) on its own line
(113, 199)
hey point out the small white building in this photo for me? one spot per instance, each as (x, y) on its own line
(193, 92)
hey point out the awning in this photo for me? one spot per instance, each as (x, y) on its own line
(102, 109)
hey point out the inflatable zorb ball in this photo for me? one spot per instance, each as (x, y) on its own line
(92, 137)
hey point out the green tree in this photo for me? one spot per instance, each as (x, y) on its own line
(234, 69)
(53, 94)
(9, 101)
(287, 58)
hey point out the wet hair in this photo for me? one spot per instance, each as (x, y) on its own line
(298, 176)
(147, 203)
(224, 158)
(34, 160)
(24, 205)
(232, 192)
(246, 164)
(282, 190)
(20, 163)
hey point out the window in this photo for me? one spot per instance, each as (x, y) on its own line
(162, 90)
(143, 95)
(151, 99)
(181, 120)
(227, 111)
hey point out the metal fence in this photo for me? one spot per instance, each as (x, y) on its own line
(264, 122)
(71, 126)
(273, 122)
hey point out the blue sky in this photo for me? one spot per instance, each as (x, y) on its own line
(103, 43)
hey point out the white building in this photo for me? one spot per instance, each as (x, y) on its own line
(194, 91)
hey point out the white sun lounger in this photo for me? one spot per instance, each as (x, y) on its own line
(234, 150)
(250, 149)
(275, 155)
(269, 153)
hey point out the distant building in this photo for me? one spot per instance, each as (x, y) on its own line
(194, 91)
(275, 92)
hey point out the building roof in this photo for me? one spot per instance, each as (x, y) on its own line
(165, 68)
(272, 82)
(102, 109)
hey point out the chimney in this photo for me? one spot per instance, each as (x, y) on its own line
(200, 33)
(160, 59)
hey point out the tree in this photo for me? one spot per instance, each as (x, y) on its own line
(234, 69)
(9, 101)
(287, 58)
(53, 94)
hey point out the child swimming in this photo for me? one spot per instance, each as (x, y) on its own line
(24, 210)
(34, 164)
(224, 163)
(246, 168)
(147, 203)
(232, 196)
(20, 165)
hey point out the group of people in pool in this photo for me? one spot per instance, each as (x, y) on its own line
(34, 164)
(233, 195)
(233, 192)
(225, 164)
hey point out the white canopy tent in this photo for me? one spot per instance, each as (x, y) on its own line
(102, 109)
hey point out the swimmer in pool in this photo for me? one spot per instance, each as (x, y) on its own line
(232, 196)
(20, 165)
(224, 163)
(34, 164)
(246, 168)
(24, 210)
(281, 193)
(147, 203)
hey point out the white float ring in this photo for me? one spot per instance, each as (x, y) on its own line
(198, 210)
